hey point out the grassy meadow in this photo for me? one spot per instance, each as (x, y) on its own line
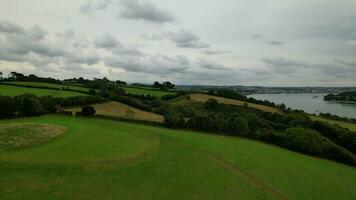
(103, 159)
(147, 91)
(120, 110)
(8, 90)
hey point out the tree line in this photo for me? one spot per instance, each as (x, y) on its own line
(31, 105)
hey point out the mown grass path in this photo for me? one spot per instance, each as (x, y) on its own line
(103, 159)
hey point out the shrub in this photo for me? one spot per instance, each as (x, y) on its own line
(87, 111)
(173, 119)
(7, 106)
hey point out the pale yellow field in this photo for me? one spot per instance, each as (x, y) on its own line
(204, 98)
(350, 126)
(116, 109)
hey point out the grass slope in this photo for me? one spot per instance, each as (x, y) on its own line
(102, 159)
(120, 110)
(147, 91)
(50, 85)
(204, 98)
(8, 90)
(350, 126)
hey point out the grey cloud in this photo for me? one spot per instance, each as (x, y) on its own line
(261, 38)
(182, 39)
(91, 6)
(215, 52)
(32, 46)
(186, 39)
(90, 58)
(283, 65)
(350, 63)
(127, 50)
(106, 41)
(144, 10)
(212, 65)
(274, 42)
(8, 27)
(155, 64)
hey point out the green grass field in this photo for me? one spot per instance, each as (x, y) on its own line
(50, 85)
(147, 91)
(8, 90)
(103, 159)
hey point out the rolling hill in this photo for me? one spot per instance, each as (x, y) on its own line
(103, 159)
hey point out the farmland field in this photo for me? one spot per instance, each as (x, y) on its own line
(50, 85)
(116, 109)
(103, 159)
(147, 91)
(8, 90)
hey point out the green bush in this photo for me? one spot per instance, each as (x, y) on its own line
(87, 111)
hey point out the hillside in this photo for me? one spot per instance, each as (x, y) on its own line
(9, 90)
(351, 126)
(100, 159)
(204, 97)
(120, 110)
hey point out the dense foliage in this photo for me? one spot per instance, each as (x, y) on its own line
(293, 130)
(343, 96)
(15, 76)
(336, 117)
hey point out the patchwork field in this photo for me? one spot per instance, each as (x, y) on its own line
(116, 109)
(8, 90)
(204, 98)
(147, 91)
(103, 159)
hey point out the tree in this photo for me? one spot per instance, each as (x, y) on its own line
(211, 104)
(173, 119)
(49, 104)
(156, 84)
(0, 75)
(88, 111)
(29, 105)
(16, 76)
(92, 91)
(238, 126)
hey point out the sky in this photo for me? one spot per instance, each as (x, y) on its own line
(230, 42)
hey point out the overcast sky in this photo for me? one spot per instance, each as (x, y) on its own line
(230, 42)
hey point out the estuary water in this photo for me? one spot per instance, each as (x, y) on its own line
(310, 103)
